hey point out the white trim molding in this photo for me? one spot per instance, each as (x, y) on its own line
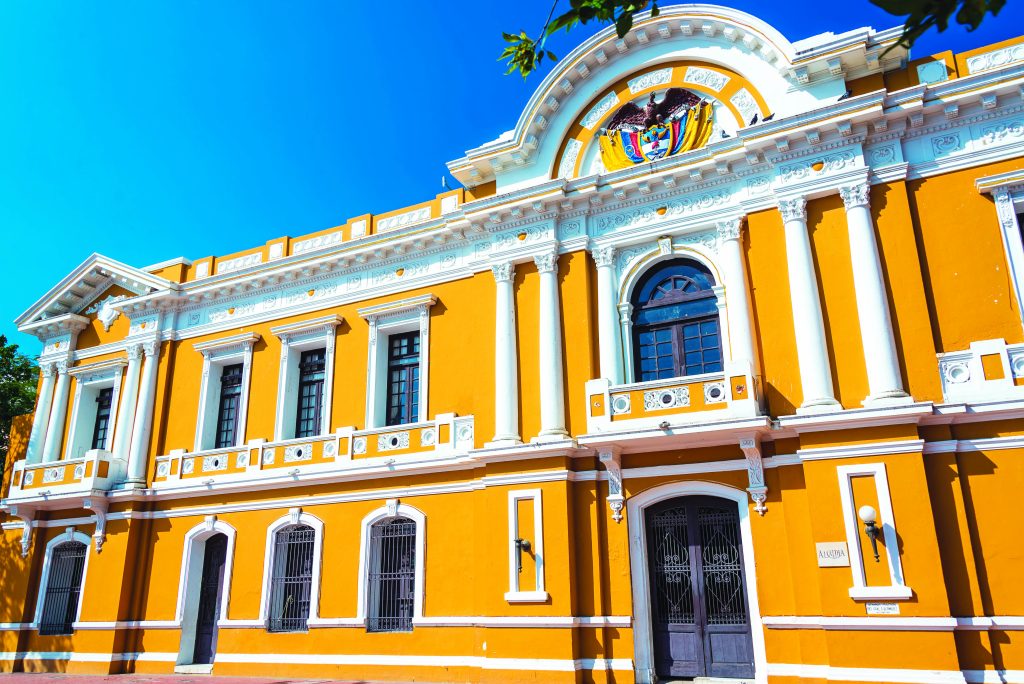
(217, 354)
(69, 534)
(193, 558)
(1007, 190)
(897, 589)
(89, 381)
(643, 644)
(393, 508)
(315, 333)
(514, 594)
(404, 315)
(295, 516)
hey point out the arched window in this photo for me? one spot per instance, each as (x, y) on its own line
(291, 580)
(675, 322)
(391, 576)
(63, 587)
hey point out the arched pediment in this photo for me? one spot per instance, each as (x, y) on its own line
(781, 77)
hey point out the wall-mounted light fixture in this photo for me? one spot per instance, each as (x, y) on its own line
(521, 546)
(869, 517)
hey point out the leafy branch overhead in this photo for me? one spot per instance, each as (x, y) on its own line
(525, 54)
(925, 14)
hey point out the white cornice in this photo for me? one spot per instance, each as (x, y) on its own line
(397, 307)
(226, 342)
(308, 326)
(98, 366)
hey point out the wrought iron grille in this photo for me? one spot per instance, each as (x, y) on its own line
(673, 579)
(403, 378)
(63, 588)
(392, 576)
(311, 390)
(292, 579)
(102, 423)
(725, 601)
(227, 412)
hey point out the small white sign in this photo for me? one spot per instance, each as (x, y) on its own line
(883, 608)
(833, 555)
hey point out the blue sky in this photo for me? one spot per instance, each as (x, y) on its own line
(147, 130)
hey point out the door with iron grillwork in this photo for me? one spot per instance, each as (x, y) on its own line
(699, 618)
(210, 596)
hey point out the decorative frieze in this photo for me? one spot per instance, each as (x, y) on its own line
(239, 263)
(668, 398)
(318, 242)
(651, 79)
(402, 220)
(598, 111)
(712, 80)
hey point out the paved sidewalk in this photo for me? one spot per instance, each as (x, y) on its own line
(47, 678)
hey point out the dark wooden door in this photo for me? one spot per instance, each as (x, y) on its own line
(699, 618)
(210, 595)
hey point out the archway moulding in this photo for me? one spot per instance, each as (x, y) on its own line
(790, 77)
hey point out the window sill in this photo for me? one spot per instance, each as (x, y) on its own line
(895, 592)
(527, 596)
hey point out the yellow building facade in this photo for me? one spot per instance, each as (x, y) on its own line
(742, 402)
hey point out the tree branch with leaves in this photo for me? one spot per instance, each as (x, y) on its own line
(18, 375)
(525, 54)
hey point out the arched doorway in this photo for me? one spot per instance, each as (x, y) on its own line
(699, 615)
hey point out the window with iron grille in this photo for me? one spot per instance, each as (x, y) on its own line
(227, 411)
(675, 322)
(392, 576)
(308, 413)
(403, 378)
(102, 423)
(291, 582)
(63, 588)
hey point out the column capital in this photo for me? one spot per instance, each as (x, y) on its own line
(546, 263)
(793, 209)
(503, 272)
(151, 348)
(62, 366)
(856, 195)
(47, 369)
(134, 352)
(604, 257)
(729, 229)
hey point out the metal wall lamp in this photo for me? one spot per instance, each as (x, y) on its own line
(869, 517)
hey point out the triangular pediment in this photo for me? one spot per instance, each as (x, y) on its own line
(88, 283)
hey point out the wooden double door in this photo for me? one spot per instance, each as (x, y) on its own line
(700, 623)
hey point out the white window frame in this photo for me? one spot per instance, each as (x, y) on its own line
(193, 556)
(295, 516)
(661, 252)
(217, 354)
(89, 380)
(1007, 191)
(514, 594)
(860, 591)
(69, 534)
(392, 509)
(404, 315)
(316, 333)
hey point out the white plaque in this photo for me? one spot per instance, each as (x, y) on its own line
(833, 555)
(883, 608)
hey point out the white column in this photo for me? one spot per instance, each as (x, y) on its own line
(880, 358)
(58, 415)
(506, 378)
(609, 344)
(552, 392)
(130, 396)
(737, 299)
(139, 451)
(40, 419)
(809, 325)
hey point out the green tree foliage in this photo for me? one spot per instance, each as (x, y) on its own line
(17, 390)
(524, 54)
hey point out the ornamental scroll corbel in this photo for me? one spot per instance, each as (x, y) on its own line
(609, 456)
(99, 508)
(27, 515)
(758, 491)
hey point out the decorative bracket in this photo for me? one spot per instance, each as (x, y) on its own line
(392, 506)
(210, 523)
(758, 491)
(27, 515)
(99, 507)
(295, 514)
(610, 457)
